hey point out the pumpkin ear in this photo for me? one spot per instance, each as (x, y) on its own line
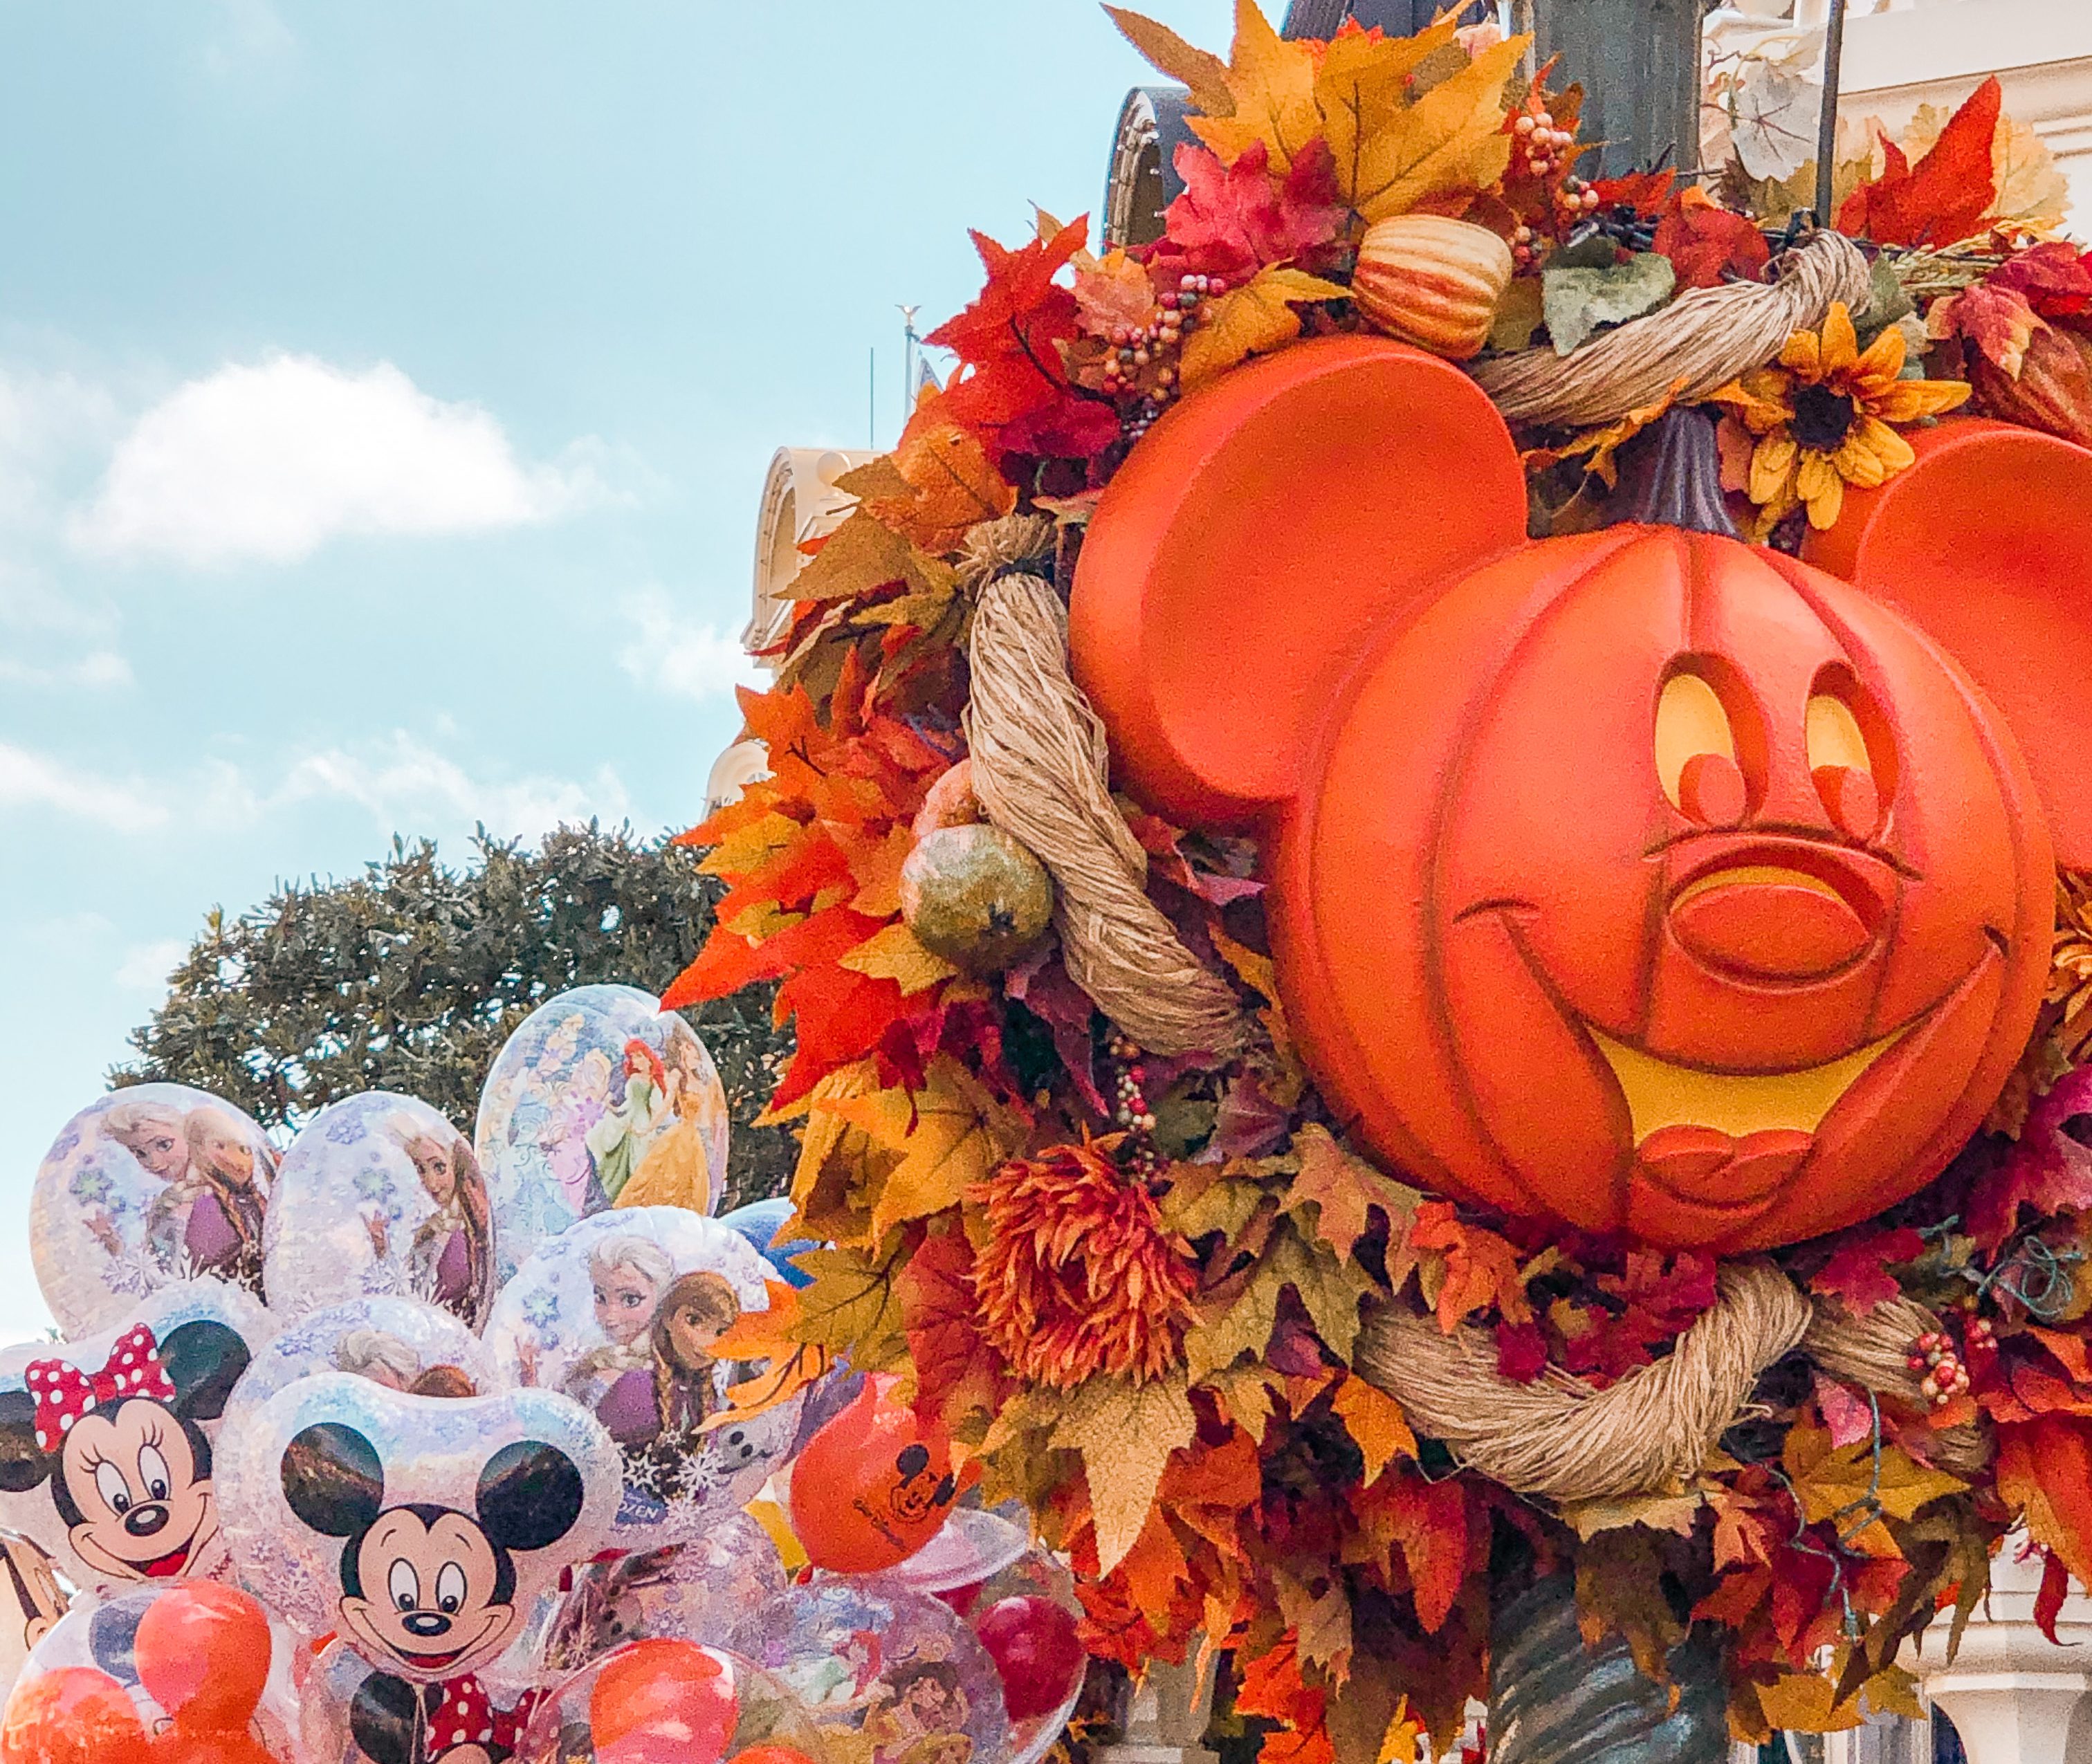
(1986, 543)
(1253, 544)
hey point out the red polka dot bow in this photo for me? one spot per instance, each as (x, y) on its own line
(465, 1715)
(63, 1392)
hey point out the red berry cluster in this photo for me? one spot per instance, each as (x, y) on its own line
(1545, 147)
(1136, 349)
(1945, 1377)
(1130, 1113)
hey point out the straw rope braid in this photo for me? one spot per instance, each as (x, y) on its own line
(1705, 338)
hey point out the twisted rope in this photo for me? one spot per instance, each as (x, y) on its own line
(1042, 771)
(1650, 1431)
(1706, 337)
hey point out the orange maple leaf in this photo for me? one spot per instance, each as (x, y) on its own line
(1942, 198)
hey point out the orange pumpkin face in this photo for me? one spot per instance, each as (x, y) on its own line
(1646, 879)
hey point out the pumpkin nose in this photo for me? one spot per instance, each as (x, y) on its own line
(1764, 921)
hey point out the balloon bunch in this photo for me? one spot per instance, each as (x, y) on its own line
(407, 1446)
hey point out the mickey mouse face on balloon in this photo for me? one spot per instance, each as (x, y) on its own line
(1647, 879)
(421, 1527)
(106, 1451)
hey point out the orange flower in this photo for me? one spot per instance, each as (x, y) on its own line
(1821, 416)
(1079, 1275)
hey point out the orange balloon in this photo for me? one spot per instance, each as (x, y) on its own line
(179, 1746)
(771, 1754)
(872, 1486)
(74, 1715)
(661, 1701)
(203, 1651)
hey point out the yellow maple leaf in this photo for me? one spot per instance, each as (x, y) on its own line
(747, 849)
(1343, 1188)
(1245, 321)
(863, 553)
(1126, 1433)
(1805, 1702)
(1363, 87)
(1205, 73)
(1330, 1289)
(950, 1135)
(1659, 1512)
(1451, 141)
(894, 952)
(2032, 190)
(852, 1307)
(1270, 89)
(1321, 1621)
(936, 484)
(1375, 1421)
(1842, 1485)
(837, 1159)
(1243, 1326)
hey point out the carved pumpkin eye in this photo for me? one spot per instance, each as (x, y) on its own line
(1696, 761)
(1849, 753)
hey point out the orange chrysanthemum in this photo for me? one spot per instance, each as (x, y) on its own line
(1821, 418)
(1078, 1274)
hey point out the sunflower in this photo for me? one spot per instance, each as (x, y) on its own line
(1821, 415)
(1078, 1274)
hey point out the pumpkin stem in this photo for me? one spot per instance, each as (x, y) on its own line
(1671, 475)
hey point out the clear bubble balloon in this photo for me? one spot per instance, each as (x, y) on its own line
(380, 1195)
(600, 1099)
(244, 1673)
(33, 1596)
(145, 1186)
(106, 1443)
(692, 1592)
(624, 1312)
(353, 1713)
(420, 1529)
(668, 1701)
(882, 1669)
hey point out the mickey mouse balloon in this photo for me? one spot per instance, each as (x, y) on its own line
(147, 1185)
(600, 1099)
(381, 1194)
(627, 1313)
(418, 1528)
(106, 1444)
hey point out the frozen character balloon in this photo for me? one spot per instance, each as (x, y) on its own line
(106, 1445)
(599, 1099)
(631, 1314)
(380, 1195)
(153, 1183)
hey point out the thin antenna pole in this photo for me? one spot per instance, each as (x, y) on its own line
(908, 339)
(872, 398)
(1827, 125)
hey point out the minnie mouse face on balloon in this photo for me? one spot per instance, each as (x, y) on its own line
(121, 1446)
(426, 1590)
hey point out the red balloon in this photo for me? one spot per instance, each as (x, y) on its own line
(203, 1651)
(872, 1486)
(663, 1702)
(962, 1599)
(74, 1715)
(1036, 1651)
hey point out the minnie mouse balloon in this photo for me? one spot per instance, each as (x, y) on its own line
(622, 1313)
(882, 1672)
(419, 1529)
(106, 1444)
(147, 1185)
(380, 1195)
(600, 1099)
(354, 1713)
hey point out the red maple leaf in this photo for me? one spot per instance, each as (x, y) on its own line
(1945, 195)
(1648, 193)
(1707, 245)
(955, 1371)
(2049, 1170)
(1232, 220)
(2054, 280)
(1521, 1352)
(1858, 1272)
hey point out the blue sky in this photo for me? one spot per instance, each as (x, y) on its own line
(385, 393)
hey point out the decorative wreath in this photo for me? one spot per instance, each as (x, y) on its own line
(1077, 1184)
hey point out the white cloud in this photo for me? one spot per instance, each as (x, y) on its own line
(30, 779)
(409, 788)
(98, 668)
(270, 462)
(672, 652)
(253, 37)
(146, 966)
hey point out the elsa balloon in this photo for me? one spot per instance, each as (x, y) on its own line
(150, 1184)
(600, 1099)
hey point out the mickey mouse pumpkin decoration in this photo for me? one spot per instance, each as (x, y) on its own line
(1646, 879)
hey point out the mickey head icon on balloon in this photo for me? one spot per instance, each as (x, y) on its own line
(1644, 879)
